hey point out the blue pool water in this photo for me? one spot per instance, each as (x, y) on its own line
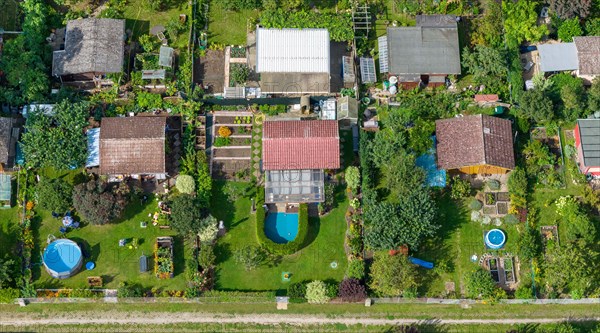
(495, 239)
(62, 258)
(281, 227)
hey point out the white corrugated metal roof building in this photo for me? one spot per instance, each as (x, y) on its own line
(558, 57)
(292, 51)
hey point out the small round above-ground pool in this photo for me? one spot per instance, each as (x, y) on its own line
(62, 258)
(495, 239)
(281, 228)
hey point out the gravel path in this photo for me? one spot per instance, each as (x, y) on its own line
(146, 318)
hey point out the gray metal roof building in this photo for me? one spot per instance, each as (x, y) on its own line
(589, 142)
(558, 57)
(92, 45)
(429, 48)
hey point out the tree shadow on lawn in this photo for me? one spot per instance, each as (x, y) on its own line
(134, 208)
(178, 255)
(222, 207)
(314, 226)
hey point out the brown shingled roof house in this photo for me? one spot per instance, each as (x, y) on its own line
(477, 144)
(133, 146)
(295, 153)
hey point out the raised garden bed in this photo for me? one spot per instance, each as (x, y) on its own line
(231, 170)
(239, 130)
(509, 271)
(502, 208)
(163, 258)
(224, 142)
(233, 152)
(502, 196)
(489, 210)
(549, 234)
(238, 52)
(233, 120)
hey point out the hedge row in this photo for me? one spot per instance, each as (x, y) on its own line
(269, 245)
(8, 295)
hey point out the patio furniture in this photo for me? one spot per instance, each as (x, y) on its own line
(94, 281)
(51, 238)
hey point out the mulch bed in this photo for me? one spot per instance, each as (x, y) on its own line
(232, 152)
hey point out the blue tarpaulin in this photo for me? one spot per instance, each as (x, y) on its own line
(435, 177)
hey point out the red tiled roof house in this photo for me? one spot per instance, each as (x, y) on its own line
(133, 146)
(477, 144)
(587, 143)
(295, 153)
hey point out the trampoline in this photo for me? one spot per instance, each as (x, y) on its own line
(495, 239)
(62, 258)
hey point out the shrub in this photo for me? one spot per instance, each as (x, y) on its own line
(275, 248)
(8, 295)
(356, 269)
(206, 256)
(352, 177)
(517, 182)
(529, 244)
(351, 290)
(185, 184)
(479, 284)
(97, 204)
(208, 232)
(493, 185)
(524, 292)
(127, 289)
(392, 275)
(511, 219)
(187, 214)
(297, 290)
(475, 204)
(461, 188)
(55, 195)
(569, 29)
(316, 292)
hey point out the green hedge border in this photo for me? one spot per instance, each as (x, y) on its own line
(269, 245)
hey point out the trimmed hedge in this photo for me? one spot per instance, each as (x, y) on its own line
(275, 248)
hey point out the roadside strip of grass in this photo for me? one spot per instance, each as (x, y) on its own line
(490, 328)
(388, 311)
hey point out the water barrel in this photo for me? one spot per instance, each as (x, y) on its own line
(393, 90)
(386, 85)
(393, 80)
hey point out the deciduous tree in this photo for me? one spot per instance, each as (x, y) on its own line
(520, 22)
(406, 223)
(536, 106)
(568, 29)
(392, 275)
(566, 9)
(55, 195)
(187, 214)
(96, 204)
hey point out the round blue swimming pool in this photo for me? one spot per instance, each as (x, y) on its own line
(281, 227)
(495, 239)
(62, 258)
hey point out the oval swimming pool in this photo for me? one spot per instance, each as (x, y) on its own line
(495, 239)
(281, 228)
(62, 258)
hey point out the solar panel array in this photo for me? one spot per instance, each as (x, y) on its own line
(383, 54)
(367, 70)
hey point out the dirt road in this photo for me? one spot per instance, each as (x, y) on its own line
(145, 318)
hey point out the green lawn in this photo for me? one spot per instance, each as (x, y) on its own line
(9, 230)
(228, 27)
(326, 237)
(456, 241)
(115, 264)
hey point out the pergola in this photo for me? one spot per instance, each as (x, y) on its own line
(284, 186)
